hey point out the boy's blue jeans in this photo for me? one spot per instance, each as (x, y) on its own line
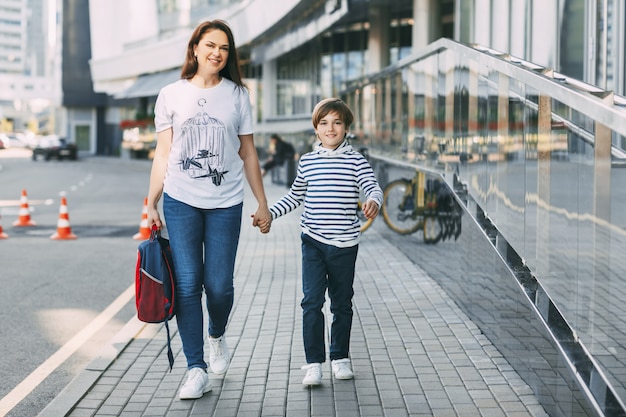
(204, 245)
(326, 267)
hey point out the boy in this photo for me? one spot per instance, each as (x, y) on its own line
(328, 182)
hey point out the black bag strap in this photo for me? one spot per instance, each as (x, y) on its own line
(155, 233)
(170, 355)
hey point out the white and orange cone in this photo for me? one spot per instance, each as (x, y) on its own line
(144, 230)
(24, 213)
(2, 234)
(64, 231)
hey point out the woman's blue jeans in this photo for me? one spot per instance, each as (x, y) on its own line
(204, 245)
(326, 267)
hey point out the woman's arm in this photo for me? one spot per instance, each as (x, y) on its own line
(252, 170)
(157, 176)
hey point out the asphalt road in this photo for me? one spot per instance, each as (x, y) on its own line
(54, 292)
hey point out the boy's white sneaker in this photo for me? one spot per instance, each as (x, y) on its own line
(196, 385)
(313, 374)
(342, 368)
(218, 355)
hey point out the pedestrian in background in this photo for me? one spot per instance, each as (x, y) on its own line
(205, 145)
(328, 182)
(280, 153)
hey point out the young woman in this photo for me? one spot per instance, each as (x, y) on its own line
(205, 145)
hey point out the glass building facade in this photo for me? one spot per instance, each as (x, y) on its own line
(536, 160)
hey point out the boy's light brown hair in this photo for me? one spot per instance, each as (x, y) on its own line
(330, 105)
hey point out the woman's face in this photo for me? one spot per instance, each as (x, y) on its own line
(331, 130)
(212, 51)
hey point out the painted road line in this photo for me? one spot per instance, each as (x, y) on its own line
(31, 382)
(12, 203)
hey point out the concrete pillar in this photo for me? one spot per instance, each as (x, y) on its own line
(269, 91)
(378, 42)
(425, 23)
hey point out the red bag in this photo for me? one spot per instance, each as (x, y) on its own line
(155, 283)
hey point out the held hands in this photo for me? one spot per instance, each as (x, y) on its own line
(262, 219)
(370, 209)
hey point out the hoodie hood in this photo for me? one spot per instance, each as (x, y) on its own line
(343, 148)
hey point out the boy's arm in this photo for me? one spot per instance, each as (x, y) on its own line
(373, 193)
(368, 183)
(293, 199)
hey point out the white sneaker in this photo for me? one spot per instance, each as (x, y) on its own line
(342, 368)
(196, 385)
(218, 355)
(313, 374)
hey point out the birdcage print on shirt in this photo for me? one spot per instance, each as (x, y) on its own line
(202, 152)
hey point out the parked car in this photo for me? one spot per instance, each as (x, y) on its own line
(12, 140)
(17, 140)
(53, 146)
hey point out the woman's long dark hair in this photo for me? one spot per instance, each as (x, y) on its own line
(232, 70)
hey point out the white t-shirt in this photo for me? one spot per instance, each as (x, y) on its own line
(204, 169)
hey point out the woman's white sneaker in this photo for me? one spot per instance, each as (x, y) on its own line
(342, 368)
(218, 355)
(313, 374)
(196, 385)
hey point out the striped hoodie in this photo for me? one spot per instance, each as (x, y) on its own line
(328, 182)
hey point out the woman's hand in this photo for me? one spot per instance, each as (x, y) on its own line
(154, 218)
(262, 219)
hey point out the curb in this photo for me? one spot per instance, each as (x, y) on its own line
(63, 403)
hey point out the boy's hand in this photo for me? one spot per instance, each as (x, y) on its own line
(370, 209)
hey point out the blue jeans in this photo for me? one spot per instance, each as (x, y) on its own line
(197, 235)
(326, 267)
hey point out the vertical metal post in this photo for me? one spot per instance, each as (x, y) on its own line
(472, 111)
(400, 113)
(503, 112)
(388, 117)
(544, 129)
(504, 143)
(602, 170)
(449, 97)
(601, 259)
(430, 72)
(380, 110)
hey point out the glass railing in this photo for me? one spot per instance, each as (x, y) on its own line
(541, 157)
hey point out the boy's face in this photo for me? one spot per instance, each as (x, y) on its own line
(331, 130)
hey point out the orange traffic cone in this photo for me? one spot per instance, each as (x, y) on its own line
(24, 213)
(144, 230)
(2, 234)
(64, 231)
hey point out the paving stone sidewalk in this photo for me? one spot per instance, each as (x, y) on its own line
(414, 352)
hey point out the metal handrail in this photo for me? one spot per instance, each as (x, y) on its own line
(603, 106)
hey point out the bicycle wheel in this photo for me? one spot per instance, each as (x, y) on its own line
(399, 211)
(432, 229)
(365, 222)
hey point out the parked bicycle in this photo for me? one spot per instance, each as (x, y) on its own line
(423, 204)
